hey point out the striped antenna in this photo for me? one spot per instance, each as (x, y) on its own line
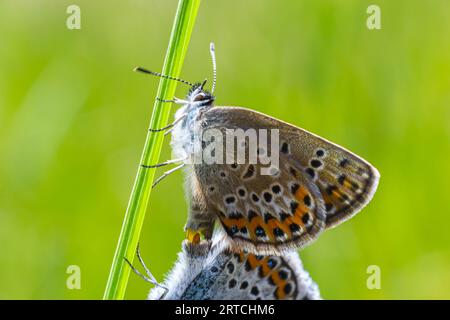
(140, 69)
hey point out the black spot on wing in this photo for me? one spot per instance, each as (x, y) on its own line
(250, 172)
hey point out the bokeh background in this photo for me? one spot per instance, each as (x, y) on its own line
(73, 118)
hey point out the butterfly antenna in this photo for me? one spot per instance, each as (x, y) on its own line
(140, 69)
(212, 50)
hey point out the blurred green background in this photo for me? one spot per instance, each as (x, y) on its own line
(73, 118)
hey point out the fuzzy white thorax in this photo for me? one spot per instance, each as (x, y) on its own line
(187, 132)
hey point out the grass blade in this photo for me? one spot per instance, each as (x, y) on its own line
(137, 205)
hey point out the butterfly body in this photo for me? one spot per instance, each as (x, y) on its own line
(186, 131)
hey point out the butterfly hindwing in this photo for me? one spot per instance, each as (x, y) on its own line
(319, 185)
(264, 213)
(250, 277)
(221, 274)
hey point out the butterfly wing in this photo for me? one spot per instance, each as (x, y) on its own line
(241, 276)
(249, 277)
(205, 272)
(319, 185)
(190, 263)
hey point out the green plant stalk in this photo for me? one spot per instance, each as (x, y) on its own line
(137, 205)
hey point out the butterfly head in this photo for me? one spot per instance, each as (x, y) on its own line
(199, 96)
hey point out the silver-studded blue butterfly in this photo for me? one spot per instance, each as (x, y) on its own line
(316, 186)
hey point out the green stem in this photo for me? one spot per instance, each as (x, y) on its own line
(137, 205)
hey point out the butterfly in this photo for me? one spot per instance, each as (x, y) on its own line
(209, 270)
(315, 186)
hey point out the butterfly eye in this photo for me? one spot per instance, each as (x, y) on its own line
(199, 97)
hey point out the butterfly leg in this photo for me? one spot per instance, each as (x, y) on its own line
(168, 131)
(165, 163)
(149, 277)
(174, 100)
(168, 126)
(167, 173)
(165, 100)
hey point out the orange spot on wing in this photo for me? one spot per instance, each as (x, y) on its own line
(279, 283)
(273, 223)
(254, 263)
(258, 221)
(330, 199)
(348, 184)
(265, 268)
(241, 222)
(262, 263)
(336, 194)
(301, 210)
(295, 219)
(301, 193)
